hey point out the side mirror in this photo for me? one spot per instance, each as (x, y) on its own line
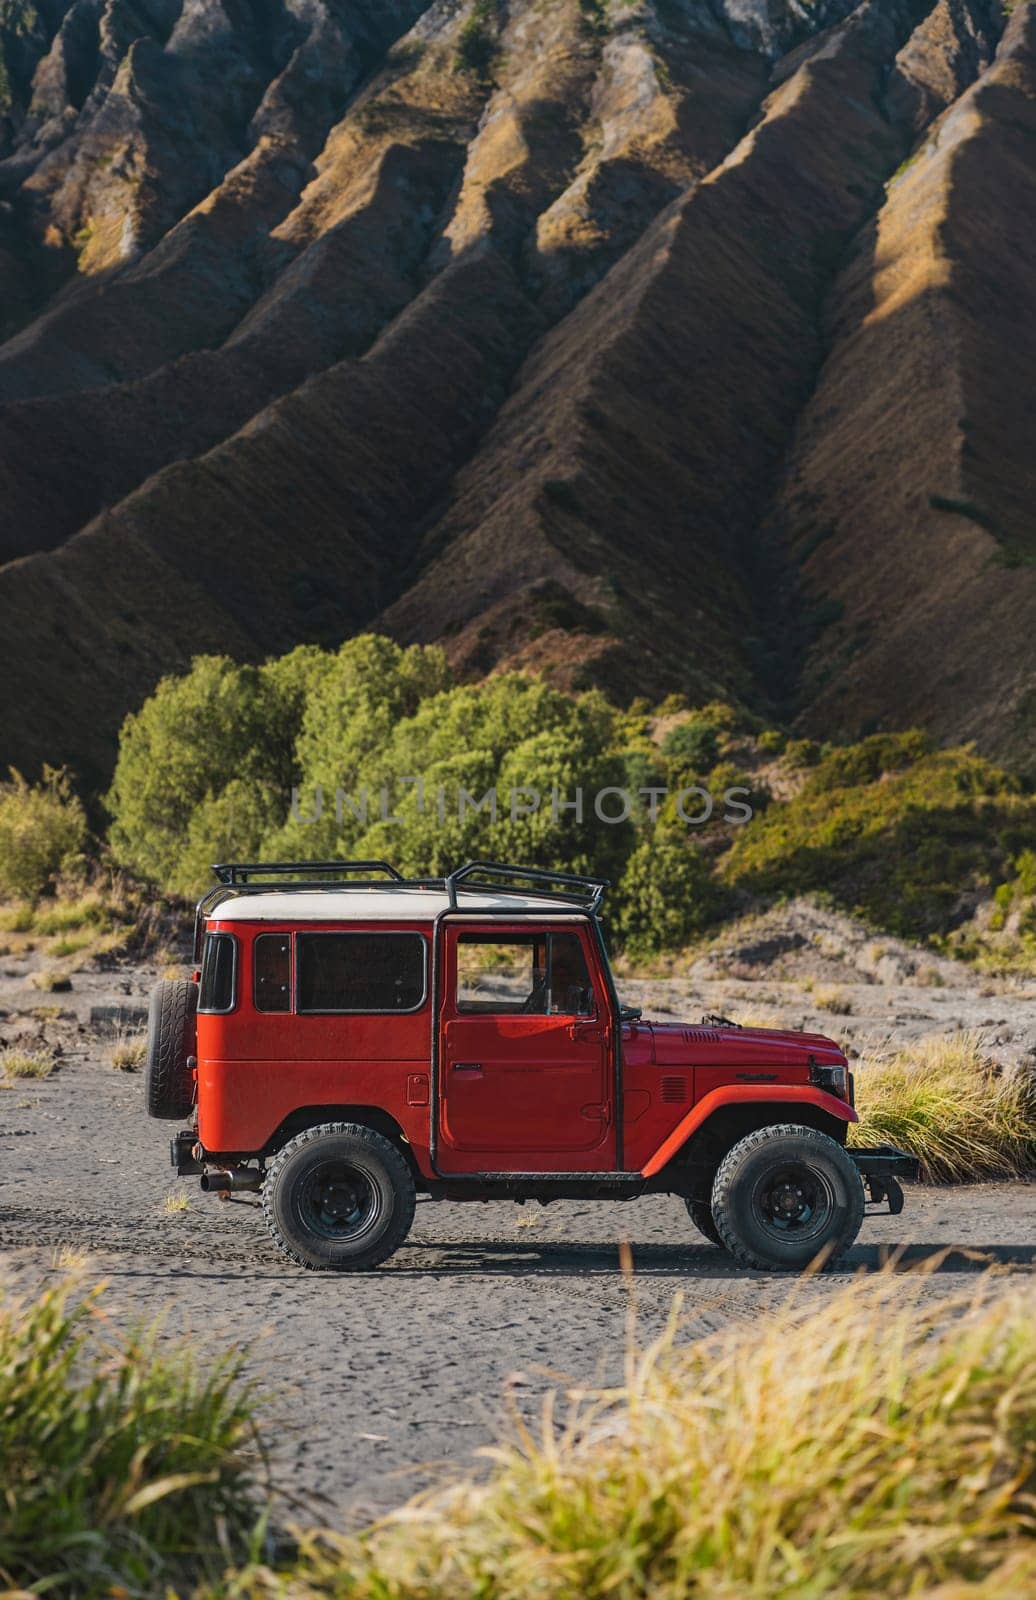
(630, 1013)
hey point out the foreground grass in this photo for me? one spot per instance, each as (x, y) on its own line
(122, 1468)
(880, 1444)
(876, 1446)
(945, 1102)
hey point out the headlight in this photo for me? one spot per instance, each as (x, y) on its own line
(834, 1079)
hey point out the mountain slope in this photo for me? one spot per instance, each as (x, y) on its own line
(622, 341)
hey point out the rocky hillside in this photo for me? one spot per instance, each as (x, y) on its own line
(663, 344)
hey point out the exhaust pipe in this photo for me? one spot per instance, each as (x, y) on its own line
(227, 1180)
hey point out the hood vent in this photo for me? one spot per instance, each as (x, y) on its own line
(673, 1091)
(700, 1036)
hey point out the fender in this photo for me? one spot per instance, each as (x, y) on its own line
(741, 1094)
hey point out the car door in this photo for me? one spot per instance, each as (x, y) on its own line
(526, 1052)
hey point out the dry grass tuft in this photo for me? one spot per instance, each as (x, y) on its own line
(16, 1062)
(770, 1020)
(943, 1100)
(175, 1204)
(68, 1259)
(828, 997)
(128, 1052)
(51, 982)
(879, 1445)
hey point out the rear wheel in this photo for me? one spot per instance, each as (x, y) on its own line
(785, 1197)
(339, 1197)
(700, 1214)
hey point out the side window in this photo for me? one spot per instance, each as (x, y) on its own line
(218, 972)
(502, 974)
(377, 972)
(536, 975)
(571, 992)
(271, 972)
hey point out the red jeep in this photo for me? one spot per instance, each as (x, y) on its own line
(353, 1039)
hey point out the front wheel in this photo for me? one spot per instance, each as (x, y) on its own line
(339, 1197)
(787, 1197)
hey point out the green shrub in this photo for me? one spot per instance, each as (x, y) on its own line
(667, 895)
(124, 1467)
(692, 746)
(877, 1445)
(42, 829)
(66, 916)
(892, 831)
(478, 47)
(207, 766)
(799, 753)
(513, 733)
(595, 16)
(878, 757)
(195, 735)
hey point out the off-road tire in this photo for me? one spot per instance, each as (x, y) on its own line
(291, 1213)
(171, 1040)
(701, 1215)
(741, 1197)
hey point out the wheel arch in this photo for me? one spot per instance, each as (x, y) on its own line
(698, 1144)
(375, 1117)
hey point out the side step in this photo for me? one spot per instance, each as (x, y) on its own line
(881, 1168)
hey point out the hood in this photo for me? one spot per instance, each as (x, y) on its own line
(684, 1044)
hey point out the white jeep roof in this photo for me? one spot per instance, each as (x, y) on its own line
(386, 903)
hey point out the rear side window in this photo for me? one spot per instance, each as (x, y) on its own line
(360, 971)
(271, 972)
(218, 972)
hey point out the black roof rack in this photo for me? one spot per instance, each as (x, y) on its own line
(474, 875)
(239, 872)
(494, 877)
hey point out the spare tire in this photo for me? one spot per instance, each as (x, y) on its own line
(169, 1063)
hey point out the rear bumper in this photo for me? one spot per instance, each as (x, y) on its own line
(881, 1169)
(181, 1154)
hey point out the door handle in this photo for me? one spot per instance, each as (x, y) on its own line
(589, 1032)
(467, 1066)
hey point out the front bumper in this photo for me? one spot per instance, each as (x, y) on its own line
(881, 1168)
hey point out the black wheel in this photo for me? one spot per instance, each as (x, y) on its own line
(701, 1215)
(171, 1035)
(339, 1197)
(785, 1197)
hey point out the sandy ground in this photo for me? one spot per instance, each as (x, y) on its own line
(374, 1382)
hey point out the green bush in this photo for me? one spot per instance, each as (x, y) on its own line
(891, 830)
(667, 895)
(207, 766)
(123, 1467)
(350, 716)
(192, 738)
(42, 829)
(692, 746)
(516, 734)
(907, 836)
(478, 47)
